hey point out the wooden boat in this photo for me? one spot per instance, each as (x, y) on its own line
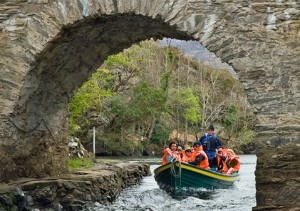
(176, 176)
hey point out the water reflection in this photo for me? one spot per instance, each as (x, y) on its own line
(148, 197)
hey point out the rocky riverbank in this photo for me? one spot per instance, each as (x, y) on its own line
(101, 183)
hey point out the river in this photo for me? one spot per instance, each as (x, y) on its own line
(148, 197)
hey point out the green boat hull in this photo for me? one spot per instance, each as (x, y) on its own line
(175, 177)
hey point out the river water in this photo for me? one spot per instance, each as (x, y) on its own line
(148, 197)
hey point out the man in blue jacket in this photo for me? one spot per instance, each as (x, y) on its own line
(210, 143)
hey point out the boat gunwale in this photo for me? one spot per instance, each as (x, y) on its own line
(208, 173)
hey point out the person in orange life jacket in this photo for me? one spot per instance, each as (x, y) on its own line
(191, 148)
(187, 155)
(169, 153)
(199, 158)
(232, 163)
(179, 152)
(218, 158)
(210, 142)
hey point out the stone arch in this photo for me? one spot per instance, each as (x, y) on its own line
(49, 48)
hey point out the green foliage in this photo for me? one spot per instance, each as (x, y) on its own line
(165, 78)
(116, 143)
(230, 116)
(148, 100)
(76, 163)
(149, 90)
(89, 95)
(109, 141)
(185, 103)
(161, 133)
(117, 60)
(133, 59)
(91, 92)
(122, 112)
(246, 135)
(143, 104)
(127, 146)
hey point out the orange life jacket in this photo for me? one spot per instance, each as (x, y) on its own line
(204, 163)
(220, 162)
(227, 165)
(168, 151)
(185, 158)
(179, 156)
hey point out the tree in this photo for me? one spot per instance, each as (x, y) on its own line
(185, 106)
(89, 97)
(147, 90)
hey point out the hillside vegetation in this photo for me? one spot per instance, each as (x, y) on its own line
(138, 97)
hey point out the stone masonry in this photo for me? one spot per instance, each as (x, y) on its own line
(48, 48)
(73, 191)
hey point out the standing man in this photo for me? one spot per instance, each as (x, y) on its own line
(210, 143)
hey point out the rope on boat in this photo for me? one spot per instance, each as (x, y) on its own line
(176, 175)
(173, 169)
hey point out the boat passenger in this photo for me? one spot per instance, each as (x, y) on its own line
(179, 154)
(169, 153)
(219, 159)
(199, 158)
(187, 155)
(232, 163)
(210, 142)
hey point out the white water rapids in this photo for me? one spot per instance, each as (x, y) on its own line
(148, 197)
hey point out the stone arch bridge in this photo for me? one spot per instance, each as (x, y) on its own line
(50, 47)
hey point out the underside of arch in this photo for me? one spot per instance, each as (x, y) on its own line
(39, 120)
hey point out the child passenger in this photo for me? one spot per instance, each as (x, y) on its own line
(186, 155)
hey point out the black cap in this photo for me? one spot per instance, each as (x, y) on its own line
(196, 144)
(211, 127)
